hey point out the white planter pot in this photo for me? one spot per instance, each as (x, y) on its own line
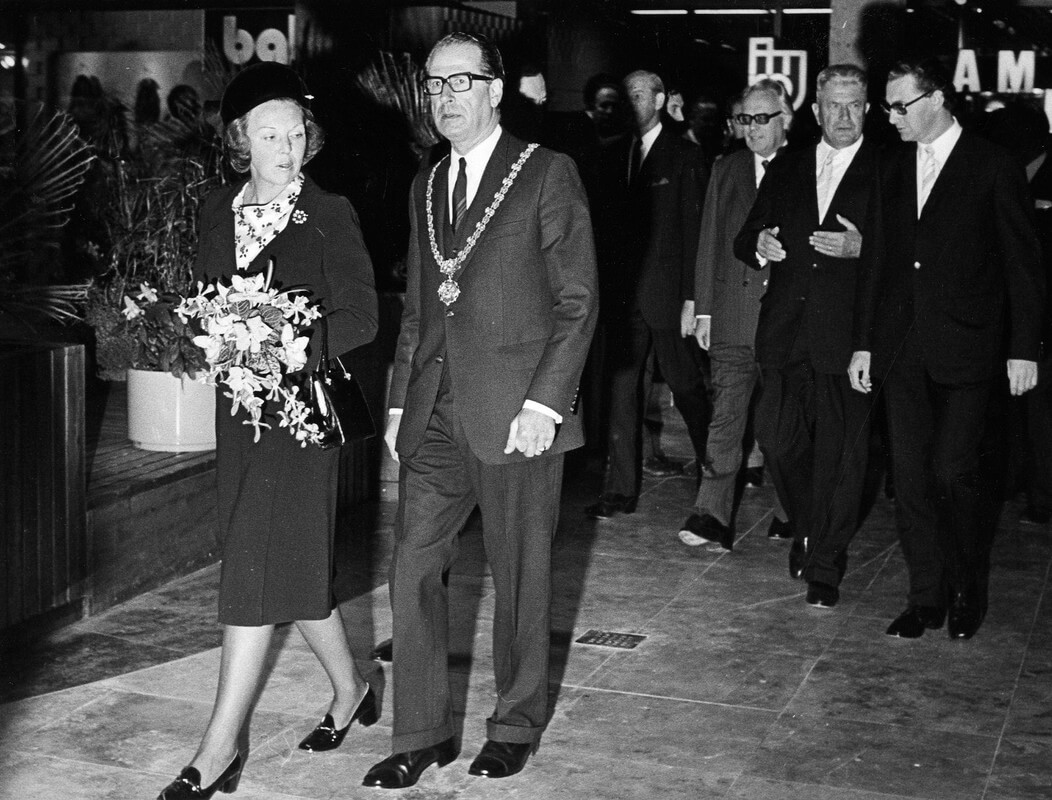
(170, 414)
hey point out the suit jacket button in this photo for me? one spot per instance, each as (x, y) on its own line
(439, 359)
(916, 265)
(814, 266)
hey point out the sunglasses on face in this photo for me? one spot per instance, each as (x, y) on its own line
(759, 119)
(458, 82)
(900, 108)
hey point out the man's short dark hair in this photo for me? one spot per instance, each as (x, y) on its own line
(602, 80)
(930, 75)
(490, 59)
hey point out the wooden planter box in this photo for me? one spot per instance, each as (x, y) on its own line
(43, 531)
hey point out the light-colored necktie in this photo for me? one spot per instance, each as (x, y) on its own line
(825, 184)
(929, 173)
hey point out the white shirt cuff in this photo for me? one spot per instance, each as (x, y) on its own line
(703, 316)
(534, 406)
(394, 411)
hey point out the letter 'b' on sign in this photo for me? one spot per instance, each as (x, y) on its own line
(239, 46)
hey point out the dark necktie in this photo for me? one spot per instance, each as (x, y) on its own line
(460, 194)
(635, 160)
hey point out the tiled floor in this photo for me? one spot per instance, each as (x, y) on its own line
(740, 689)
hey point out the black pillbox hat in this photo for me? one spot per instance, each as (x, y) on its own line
(259, 83)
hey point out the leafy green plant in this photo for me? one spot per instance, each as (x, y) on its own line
(394, 82)
(42, 165)
(150, 202)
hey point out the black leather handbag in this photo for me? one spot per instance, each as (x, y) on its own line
(336, 401)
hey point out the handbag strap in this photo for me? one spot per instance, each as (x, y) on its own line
(324, 341)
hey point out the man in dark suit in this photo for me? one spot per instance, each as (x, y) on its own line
(500, 308)
(954, 269)
(807, 229)
(1023, 130)
(727, 306)
(653, 200)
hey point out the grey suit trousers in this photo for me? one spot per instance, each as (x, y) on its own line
(440, 486)
(734, 376)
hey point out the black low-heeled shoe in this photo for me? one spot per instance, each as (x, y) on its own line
(188, 785)
(326, 737)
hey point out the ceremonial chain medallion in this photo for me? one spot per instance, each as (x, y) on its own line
(449, 291)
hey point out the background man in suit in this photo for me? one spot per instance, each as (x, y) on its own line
(955, 245)
(727, 306)
(808, 227)
(1023, 131)
(656, 180)
(494, 336)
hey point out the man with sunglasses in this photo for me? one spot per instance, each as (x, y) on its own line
(499, 313)
(806, 231)
(727, 306)
(950, 300)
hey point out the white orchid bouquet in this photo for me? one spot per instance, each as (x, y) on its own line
(252, 340)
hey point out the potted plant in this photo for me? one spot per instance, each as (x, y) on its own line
(147, 215)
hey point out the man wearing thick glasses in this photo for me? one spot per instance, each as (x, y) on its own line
(499, 313)
(811, 220)
(950, 300)
(727, 307)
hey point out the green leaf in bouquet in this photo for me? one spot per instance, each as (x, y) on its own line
(273, 317)
(242, 308)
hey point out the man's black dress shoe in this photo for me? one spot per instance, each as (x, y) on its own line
(797, 559)
(326, 737)
(912, 622)
(1034, 515)
(501, 759)
(661, 467)
(702, 528)
(780, 530)
(965, 616)
(188, 785)
(754, 477)
(611, 504)
(403, 769)
(384, 651)
(822, 594)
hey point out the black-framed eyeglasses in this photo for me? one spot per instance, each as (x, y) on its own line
(900, 108)
(759, 119)
(458, 82)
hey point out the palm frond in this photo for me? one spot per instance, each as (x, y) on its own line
(394, 82)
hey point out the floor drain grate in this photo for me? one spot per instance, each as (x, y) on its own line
(624, 641)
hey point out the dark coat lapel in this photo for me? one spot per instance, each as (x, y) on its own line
(440, 207)
(806, 179)
(653, 163)
(853, 182)
(492, 177)
(908, 187)
(953, 177)
(293, 238)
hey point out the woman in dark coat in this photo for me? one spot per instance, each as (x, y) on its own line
(276, 499)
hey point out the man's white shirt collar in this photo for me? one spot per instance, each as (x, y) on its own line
(477, 158)
(844, 155)
(942, 146)
(758, 169)
(646, 141)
